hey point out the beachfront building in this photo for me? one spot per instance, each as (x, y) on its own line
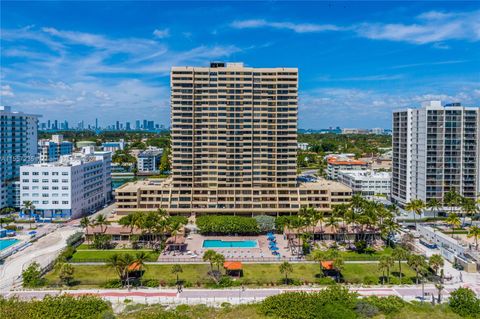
(337, 164)
(74, 186)
(435, 149)
(51, 150)
(366, 183)
(234, 147)
(18, 146)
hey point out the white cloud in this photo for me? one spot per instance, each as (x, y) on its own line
(296, 27)
(6, 90)
(429, 27)
(161, 33)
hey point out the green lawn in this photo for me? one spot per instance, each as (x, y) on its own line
(354, 256)
(254, 274)
(103, 255)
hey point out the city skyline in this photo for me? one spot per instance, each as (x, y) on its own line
(357, 61)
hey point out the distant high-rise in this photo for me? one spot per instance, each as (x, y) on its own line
(435, 149)
(137, 125)
(18, 145)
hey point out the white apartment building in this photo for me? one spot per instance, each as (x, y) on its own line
(435, 149)
(112, 147)
(18, 146)
(51, 150)
(366, 183)
(302, 146)
(76, 185)
(149, 160)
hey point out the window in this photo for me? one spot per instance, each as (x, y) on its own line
(25, 173)
(64, 180)
(44, 195)
(25, 180)
(54, 187)
(45, 187)
(64, 188)
(65, 173)
(35, 173)
(45, 173)
(55, 173)
(54, 180)
(44, 180)
(35, 180)
(65, 202)
(55, 202)
(34, 187)
(25, 187)
(45, 202)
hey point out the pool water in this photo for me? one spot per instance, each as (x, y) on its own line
(211, 243)
(4, 243)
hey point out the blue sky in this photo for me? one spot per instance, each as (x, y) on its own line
(357, 60)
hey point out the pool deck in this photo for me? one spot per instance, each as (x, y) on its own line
(195, 246)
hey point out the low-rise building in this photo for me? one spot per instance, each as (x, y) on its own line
(51, 150)
(149, 160)
(366, 183)
(112, 147)
(150, 195)
(334, 165)
(302, 146)
(76, 185)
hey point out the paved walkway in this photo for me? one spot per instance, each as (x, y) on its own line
(235, 295)
(42, 251)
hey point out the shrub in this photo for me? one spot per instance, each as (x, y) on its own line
(227, 225)
(465, 303)
(75, 239)
(265, 223)
(326, 281)
(365, 309)
(151, 283)
(282, 221)
(63, 306)
(32, 276)
(113, 283)
(370, 280)
(360, 246)
(66, 254)
(387, 305)
(102, 241)
(178, 220)
(333, 302)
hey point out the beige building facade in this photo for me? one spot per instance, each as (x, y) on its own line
(234, 147)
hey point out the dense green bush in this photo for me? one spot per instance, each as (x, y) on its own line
(178, 220)
(64, 307)
(282, 221)
(220, 225)
(31, 276)
(464, 302)
(265, 223)
(333, 302)
(152, 283)
(75, 239)
(387, 305)
(371, 280)
(113, 283)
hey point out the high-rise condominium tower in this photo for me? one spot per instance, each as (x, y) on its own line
(234, 127)
(435, 149)
(18, 146)
(234, 147)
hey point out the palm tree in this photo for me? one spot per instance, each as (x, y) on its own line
(418, 263)
(140, 258)
(218, 260)
(382, 266)
(454, 221)
(101, 221)
(415, 206)
(469, 207)
(286, 268)
(320, 256)
(333, 223)
(131, 220)
(209, 256)
(434, 205)
(85, 223)
(452, 199)
(28, 209)
(436, 262)
(399, 254)
(120, 263)
(474, 232)
(176, 269)
(341, 211)
(439, 287)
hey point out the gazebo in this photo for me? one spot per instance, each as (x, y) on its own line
(233, 268)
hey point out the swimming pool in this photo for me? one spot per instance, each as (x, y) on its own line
(212, 243)
(4, 243)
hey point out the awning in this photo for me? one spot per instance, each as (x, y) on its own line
(232, 265)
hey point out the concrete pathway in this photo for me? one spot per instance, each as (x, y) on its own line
(43, 251)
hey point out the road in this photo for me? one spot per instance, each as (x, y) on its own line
(42, 251)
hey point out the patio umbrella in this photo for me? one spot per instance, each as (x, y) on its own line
(274, 248)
